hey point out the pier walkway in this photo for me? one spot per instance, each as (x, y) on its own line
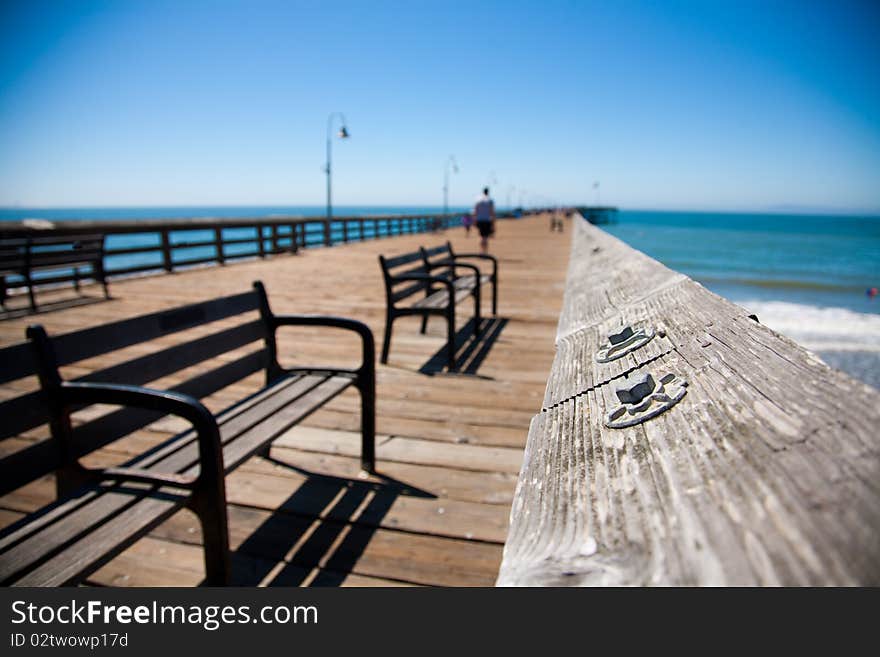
(449, 446)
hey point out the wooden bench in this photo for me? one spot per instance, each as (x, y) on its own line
(407, 276)
(22, 256)
(101, 511)
(443, 258)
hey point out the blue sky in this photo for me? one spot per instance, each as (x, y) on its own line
(670, 105)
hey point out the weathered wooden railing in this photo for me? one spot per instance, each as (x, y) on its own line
(147, 245)
(766, 471)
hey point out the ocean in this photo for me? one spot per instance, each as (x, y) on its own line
(805, 276)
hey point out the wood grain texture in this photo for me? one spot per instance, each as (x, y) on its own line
(766, 473)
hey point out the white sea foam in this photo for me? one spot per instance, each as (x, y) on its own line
(819, 329)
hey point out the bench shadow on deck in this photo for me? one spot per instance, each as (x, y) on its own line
(299, 542)
(470, 349)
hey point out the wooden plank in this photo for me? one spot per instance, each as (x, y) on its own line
(403, 556)
(370, 504)
(406, 450)
(156, 562)
(444, 482)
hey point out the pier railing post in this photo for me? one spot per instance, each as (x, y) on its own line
(218, 244)
(167, 264)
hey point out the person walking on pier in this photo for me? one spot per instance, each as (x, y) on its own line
(484, 213)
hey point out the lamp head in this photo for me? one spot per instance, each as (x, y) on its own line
(343, 133)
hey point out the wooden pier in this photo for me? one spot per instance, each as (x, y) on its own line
(449, 445)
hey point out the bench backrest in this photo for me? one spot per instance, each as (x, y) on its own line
(25, 460)
(19, 254)
(433, 257)
(403, 265)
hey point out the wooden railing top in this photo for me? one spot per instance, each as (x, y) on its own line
(764, 472)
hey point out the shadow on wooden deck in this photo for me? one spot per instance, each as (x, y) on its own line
(48, 306)
(328, 520)
(470, 350)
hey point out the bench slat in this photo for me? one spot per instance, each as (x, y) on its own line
(180, 454)
(408, 291)
(118, 519)
(405, 259)
(107, 428)
(72, 347)
(441, 299)
(280, 422)
(29, 410)
(437, 250)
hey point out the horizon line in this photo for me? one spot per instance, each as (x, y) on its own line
(775, 209)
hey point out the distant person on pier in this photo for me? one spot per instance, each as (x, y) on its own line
(468, 221)
(484, 213)
(556, 220)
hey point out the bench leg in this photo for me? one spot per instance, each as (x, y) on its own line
(368, 426)
(386, 341)
(76, 279)
(450, 345)
(103, 278)
(495, 296)
(424, 324)
(477, 318)
(210, 507)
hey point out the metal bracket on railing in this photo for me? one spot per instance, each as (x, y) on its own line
(642, 398)
(623, 342)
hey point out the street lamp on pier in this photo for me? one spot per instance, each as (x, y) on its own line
(450, 163)
(342, 134)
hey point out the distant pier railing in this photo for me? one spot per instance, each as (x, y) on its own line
(139, 246)
(681, 442)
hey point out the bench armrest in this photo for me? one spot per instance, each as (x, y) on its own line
(481, 256)
(455, 265)
(367, 370)
(172, 403)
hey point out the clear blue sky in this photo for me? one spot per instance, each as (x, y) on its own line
(691, 105)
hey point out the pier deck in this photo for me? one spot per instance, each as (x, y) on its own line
(449, 445)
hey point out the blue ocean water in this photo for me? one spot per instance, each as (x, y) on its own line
(805, 276)
(179, 212)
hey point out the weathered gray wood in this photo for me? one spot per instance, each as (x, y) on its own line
(765, 473)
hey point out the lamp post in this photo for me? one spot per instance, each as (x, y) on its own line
(510, 190)
(342, 134)
(449, 162)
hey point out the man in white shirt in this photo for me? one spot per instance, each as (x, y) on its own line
(484, 213)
